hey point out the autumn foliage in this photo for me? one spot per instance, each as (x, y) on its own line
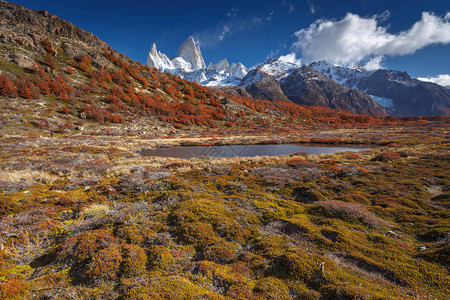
(7, 87)
(130, 89)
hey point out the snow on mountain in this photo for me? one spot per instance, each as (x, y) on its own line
(192, 54)
(156, 59)
(385, 102)
(396, 91)
(277, 68)
(190, 65)
(345, 76)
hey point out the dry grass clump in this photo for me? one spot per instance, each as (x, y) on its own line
(27, 176)
(355, 211)
(95, 210)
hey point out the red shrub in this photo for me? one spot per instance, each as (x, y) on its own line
(351, 156)
(26, 88)
(7, 87)
(19, 41)
(299, 163)
(386, 156)
(50, 61)
(48, 46)
(65, 110)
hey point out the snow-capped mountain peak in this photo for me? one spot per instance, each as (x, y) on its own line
(343, 75)
(189, 64)
(156, 59)
(191, 53)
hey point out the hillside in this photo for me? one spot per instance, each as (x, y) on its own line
(73, 78)
(85, 215)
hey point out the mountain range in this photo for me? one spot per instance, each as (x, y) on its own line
(321, 83)
(189, 64)
(76, 82)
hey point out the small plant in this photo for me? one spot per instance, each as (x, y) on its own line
(95, 210)
(105, 264)
(134, 260)
(27, 248)
(159, 257)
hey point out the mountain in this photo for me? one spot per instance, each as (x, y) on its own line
(400, 94)
(189, 64)
(55, 76)
(283, 79)
(44, 33)
(306, 86)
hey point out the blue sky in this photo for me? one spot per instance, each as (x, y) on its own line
(251, 31)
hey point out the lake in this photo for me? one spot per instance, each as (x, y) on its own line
(187, 152)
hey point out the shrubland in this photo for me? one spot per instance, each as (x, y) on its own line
(100, 221)
(83, 215)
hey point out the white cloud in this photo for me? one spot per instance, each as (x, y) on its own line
(312, 8)
(256, 21)
(273, 53)
(374, 63)
(226, 28)
(290, 58)
(233, 13)
(224, 32)
(355, 39)
(443, 79)
(291, 8)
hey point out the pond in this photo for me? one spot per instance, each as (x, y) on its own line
(187, 152)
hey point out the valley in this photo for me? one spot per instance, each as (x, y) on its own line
(85, 214)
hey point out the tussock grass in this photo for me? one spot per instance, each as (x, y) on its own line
(27, 176)
(95, 210)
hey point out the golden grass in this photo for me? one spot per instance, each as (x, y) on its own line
(95, 210)
(28, 176)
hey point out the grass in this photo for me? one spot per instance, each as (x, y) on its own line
(306, 226)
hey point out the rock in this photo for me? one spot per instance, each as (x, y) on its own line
(23, 61)
(267, 89)
(191, 53)
(33, 27)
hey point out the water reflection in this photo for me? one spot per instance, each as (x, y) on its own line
(187, 152)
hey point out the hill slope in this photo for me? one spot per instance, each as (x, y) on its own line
(83, 215)
(76, 81)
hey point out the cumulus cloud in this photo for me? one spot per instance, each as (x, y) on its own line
(443, 79)
(290, 58)
(374, 63)
(355, 39)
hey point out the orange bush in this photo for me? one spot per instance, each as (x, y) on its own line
(26, 89)
(7, 87)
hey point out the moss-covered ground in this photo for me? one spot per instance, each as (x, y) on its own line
(88, 217)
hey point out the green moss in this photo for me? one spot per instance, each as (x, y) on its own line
(159, 257)
(105, 264)
(270, 288)
(169, 287)
(134, 260)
